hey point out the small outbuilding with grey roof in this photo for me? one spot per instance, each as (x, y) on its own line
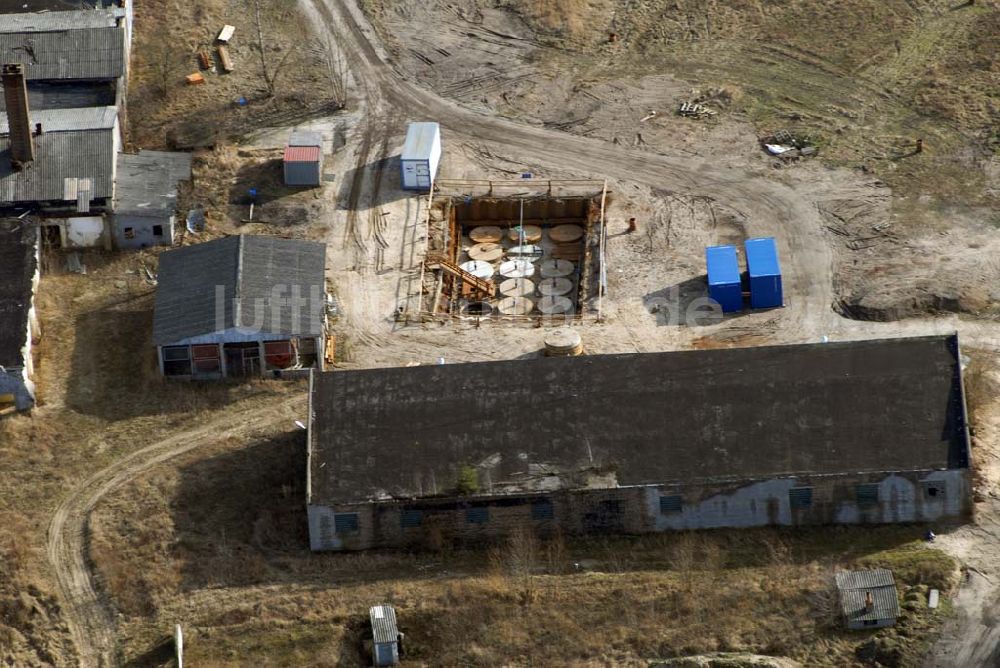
(241, 306)
(145, 203)
(385, 635)
(868, 598)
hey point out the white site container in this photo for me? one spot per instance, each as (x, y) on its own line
(421, 154)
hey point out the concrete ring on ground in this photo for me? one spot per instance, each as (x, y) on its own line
(517, 287)
(486, 234)
(556, 268)
(486, 251)
(532, 233)
(564, 234)
(515, 306)
(563, 342)
(478, 268)
(555, 286)
(555, 305)
(517, 269)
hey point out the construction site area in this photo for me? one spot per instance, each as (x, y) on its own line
(611, 333)
(524, 255)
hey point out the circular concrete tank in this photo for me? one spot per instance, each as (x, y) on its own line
(556, 268)
(516, 306)
(564, 234)
(478, 268)
(486, 234)
(517, 269)
(555, 286)
(555, 305)
(517, 287)
(487, 251)
(563, 342)
(532, 233)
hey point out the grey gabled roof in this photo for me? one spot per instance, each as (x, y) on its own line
(687, 417)
(243, 270)
(854, 587)
(75, 143)
(78, 53)
(68, 120)
(74, 19)
(18, 241)
(146, 182)
(383, 620)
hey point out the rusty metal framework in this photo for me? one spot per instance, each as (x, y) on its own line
(461, 191)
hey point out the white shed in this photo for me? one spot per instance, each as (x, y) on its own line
(421, 155)
(385, 635)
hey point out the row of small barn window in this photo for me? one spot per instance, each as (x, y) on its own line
(866, 496)
(409, 519)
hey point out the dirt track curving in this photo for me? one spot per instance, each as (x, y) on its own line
(767, 206)
(88, 615)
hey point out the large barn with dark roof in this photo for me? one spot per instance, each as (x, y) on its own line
(852, 432)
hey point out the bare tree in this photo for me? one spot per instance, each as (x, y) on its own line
(165, 66)
(270, 72)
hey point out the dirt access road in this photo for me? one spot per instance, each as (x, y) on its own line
(89, 617)
(769, 207)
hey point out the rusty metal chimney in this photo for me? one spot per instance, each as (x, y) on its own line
(869, 601)
(15, 93)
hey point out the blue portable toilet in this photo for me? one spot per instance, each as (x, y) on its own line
(765, 273)
(724, 277)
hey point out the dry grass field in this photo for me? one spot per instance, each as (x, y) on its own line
(217, 541)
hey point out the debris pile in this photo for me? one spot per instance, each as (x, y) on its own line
(787, 145)
(694, 110)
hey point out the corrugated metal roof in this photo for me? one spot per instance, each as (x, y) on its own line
(305, 138)
(866, 579)
(723, 266)
(18, 239)
(383, 619)
(76, 19)
(854, 588)
(247, 267)
(368, 426)
(59, 156)
(87, 53)
(302, 154)
(146, 182)
(68, 120)
(420, 138)
(762, 257)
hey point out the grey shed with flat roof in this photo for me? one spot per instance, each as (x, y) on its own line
(145, 203)
(868, 598)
